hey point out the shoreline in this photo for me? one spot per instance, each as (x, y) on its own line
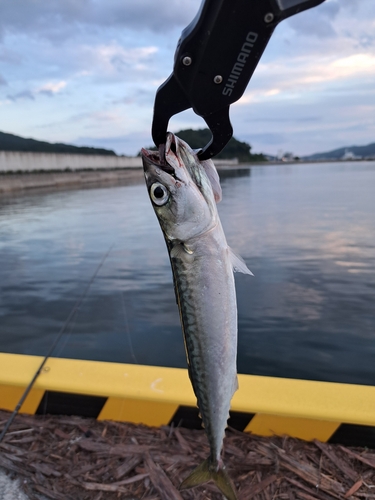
(11, 182)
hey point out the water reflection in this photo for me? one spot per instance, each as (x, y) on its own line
(306, 231)
(231, 172)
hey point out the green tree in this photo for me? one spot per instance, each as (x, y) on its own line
(11, 142)
(234, 149)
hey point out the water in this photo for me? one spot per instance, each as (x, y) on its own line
(306, 231)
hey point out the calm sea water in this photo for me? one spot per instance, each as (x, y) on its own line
(306, 231)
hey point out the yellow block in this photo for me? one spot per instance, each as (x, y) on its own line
(327, 401)
(288, 398)
(302, 428)
(97, 378)
(138, 411)
(10, 396)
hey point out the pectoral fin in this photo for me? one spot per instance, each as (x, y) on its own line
(239, 265)
(181, 251)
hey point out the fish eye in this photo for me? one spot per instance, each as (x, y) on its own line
(159, 194)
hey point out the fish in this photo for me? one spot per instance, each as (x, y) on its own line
(184, 193)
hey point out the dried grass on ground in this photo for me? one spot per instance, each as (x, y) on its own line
(70, 458)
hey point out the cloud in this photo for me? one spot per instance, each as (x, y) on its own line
(8, 55)
(93, 58)
(25, 94)
(122, 144)
(285, 119)
(271, 139)
(108, 60)
(60, 18)
(50, 89)
(313, 89)
(139, 98)
(276, 81)
(92, 119)
(2, 80)
(318, 22)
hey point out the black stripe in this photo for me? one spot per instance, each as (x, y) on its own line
(63, 403)
(354, 435)
(239, 420)
(188, 416)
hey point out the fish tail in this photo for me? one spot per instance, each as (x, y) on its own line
(206, 472)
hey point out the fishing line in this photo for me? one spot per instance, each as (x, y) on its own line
(127, 329)
(73, 312)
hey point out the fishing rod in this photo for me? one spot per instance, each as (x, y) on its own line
(71, 315)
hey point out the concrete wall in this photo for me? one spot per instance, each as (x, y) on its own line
(12, 161)
(57, 180)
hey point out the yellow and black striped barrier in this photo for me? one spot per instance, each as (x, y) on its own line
(155, 396)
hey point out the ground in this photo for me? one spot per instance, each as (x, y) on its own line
(70, 458)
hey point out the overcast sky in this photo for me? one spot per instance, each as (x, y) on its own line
(85, 72)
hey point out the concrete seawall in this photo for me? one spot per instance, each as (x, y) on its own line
(19, 171)
(14, 161)
(58, 180)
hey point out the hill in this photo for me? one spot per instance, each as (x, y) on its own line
(11, 142)
(362, 151)
(234, 149)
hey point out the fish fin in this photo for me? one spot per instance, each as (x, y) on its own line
(239, 265)
(225, 484)
(181, 251)
(214, 178)
(204, 472)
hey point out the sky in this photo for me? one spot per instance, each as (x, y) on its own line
(85, 72)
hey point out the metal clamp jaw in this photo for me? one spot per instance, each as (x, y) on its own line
(215, 58)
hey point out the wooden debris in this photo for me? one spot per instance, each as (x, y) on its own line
(254, 489)
(354, 488)
(336, 459)
(370, 462)
(65, 458)
(161, 482)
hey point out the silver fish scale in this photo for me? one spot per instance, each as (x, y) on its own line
(206, 299)
(204, 284)
(192, 339)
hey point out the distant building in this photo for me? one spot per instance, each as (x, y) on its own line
(280, 155)
(349, 155)
(288, 156)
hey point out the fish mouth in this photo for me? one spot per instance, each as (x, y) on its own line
(157, 158)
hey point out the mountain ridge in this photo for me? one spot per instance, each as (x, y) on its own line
(358, 151)
(195, 138)
(12, 142)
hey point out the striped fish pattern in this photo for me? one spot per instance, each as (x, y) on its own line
(184, 193)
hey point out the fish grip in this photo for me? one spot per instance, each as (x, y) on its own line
(215, 58)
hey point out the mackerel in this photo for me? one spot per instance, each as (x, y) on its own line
(184, 193)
